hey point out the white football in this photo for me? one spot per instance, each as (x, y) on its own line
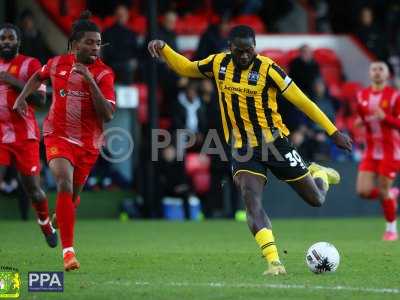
(322, 257)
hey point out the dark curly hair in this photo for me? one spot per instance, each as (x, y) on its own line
(13, 27)
(80, 26)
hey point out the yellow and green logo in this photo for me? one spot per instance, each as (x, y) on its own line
(10, 282)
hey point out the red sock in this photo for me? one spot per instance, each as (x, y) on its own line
(373, 194)
(65, 211)
(389, 209)
(42, 209)
(42, 213)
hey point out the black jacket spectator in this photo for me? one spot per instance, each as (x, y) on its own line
(371, 35)
(122, 51)
(32, 41)
(213, 40)
(304, 70)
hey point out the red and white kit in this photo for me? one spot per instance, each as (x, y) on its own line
(19, 135)
(72, 128)
(382, 153)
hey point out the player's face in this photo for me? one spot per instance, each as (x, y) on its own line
(88, 47)
(378, 72)
(8, 43)
(243, 52)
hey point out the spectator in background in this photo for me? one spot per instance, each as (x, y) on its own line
(167, 79)
(371, 35)
(319, 145)
(304, 70)
(274, 10)
(173, 181)
(322, 98)
(237, 7)
(122, 52)
(322, 22)
(32, 42)
(214, 39)
(166, 30)
(190, 114)
(311, 140)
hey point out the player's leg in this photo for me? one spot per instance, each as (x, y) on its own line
(31, 186)
(63, 171)
(311, 183)
(27, 162)
(366, 179)
(251, 186)
(388, 200)
(85, 162)
(311, 189)
(366, 185)
(76, 199)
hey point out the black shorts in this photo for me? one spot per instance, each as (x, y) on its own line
(280, 156)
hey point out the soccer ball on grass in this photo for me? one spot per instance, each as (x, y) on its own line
(322, 257)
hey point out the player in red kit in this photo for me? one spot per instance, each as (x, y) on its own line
(19, 135)
(379, 110)
(83, 99)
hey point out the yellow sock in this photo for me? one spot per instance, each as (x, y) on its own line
(265, 239)
(322, 174)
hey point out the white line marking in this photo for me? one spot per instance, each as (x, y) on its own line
(259, 285)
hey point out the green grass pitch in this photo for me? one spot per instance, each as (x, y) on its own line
(207, 260)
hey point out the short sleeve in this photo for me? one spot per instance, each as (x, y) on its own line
(279, 77)
(205, 66)
(44, 72)
(105, 81)
(35, 66)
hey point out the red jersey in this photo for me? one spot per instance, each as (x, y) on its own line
(13, 126)
(72, 114)
(382, 136)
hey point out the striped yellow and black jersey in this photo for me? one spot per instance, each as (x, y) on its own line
(248, 98)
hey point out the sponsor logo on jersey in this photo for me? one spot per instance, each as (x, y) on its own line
(253, 76)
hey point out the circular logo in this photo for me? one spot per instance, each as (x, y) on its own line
(63, 93)
(118, 145)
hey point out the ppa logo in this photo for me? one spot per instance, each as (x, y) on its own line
(46, 281)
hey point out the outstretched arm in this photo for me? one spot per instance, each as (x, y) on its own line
(178, 63)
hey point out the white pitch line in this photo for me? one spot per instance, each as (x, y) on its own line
(261, 285)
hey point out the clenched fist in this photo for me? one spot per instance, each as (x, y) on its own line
(155, 47)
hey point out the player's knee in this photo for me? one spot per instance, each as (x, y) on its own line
(64, 185)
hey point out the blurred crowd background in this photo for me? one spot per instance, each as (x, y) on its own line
(193, 104)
